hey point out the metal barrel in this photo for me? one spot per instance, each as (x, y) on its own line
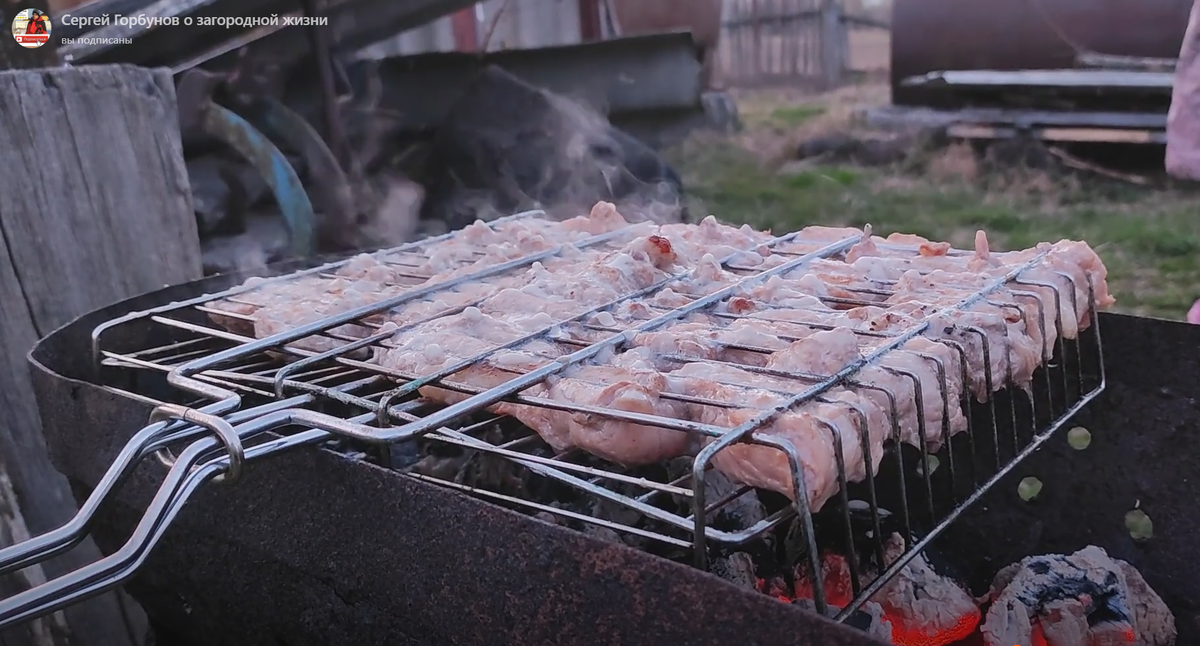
(935, 35)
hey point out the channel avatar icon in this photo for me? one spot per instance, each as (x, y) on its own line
(31, 28)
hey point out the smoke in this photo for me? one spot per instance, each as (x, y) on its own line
(393, 214)
(507, 146)
(632, 175)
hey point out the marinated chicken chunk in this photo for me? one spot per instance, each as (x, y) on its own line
(815, 430)
(766, 340)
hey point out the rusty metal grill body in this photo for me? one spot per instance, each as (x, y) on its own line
(230, 399)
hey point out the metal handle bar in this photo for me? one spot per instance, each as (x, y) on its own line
(181, 481)
(151, 439)
(103, 574)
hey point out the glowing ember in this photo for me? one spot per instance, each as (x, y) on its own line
(1058, 600)
(775, 588)
(1038, 637)
(1084, 598)
(835, 575)
(923, 609)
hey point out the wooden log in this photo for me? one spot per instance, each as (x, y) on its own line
(95, 207)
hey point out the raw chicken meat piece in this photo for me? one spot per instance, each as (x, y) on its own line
(815, 429)
(1076, 262)
(635, 389)
(571, 289)
(963, 276)
(878, 257)
(916, 297)
(828, 352)
(544, 302)
(437, 346)
(1013, 335)
(755, 344)
(278, 313)
(864, 408)
(814, 237)
(804, 314)
(808, 323)
(629, 385)
(370, 278)
(709, 237)
(242, 307)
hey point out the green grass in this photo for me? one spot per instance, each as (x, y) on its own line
(1149, 238)
(794, 115)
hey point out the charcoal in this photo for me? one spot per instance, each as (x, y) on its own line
(795, 544)
(493, 473)
(602, 533)
(741, 512)
(505, 145)
(1153, 619)
(605, 509)
(923, 598)
(440, 466)
(737, 568)
(869, 618)
(546, 517)
(679, 467)
(1082, 598)
(405, 454)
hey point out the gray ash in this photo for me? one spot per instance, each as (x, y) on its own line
(737, 568)
(1084, 598)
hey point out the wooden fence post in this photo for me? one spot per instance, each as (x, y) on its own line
(95, 207)
(833, 59)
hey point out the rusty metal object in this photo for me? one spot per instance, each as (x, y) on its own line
(289, 192)
(1025, 34)
(701, 17)
(197, 111)
(332, 188)
(335, 134)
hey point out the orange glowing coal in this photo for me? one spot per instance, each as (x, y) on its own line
(907, 629)
(1038, 637)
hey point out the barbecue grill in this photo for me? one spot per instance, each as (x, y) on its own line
(333, 546)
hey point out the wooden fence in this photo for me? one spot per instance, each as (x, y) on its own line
(787, 42)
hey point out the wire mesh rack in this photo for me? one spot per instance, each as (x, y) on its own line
(228, 387)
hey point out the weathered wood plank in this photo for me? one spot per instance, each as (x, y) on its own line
(95, 207)
(17, 331)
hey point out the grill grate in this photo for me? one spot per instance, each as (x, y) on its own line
(205, 378)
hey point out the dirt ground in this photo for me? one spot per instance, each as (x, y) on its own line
(1149, 237)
